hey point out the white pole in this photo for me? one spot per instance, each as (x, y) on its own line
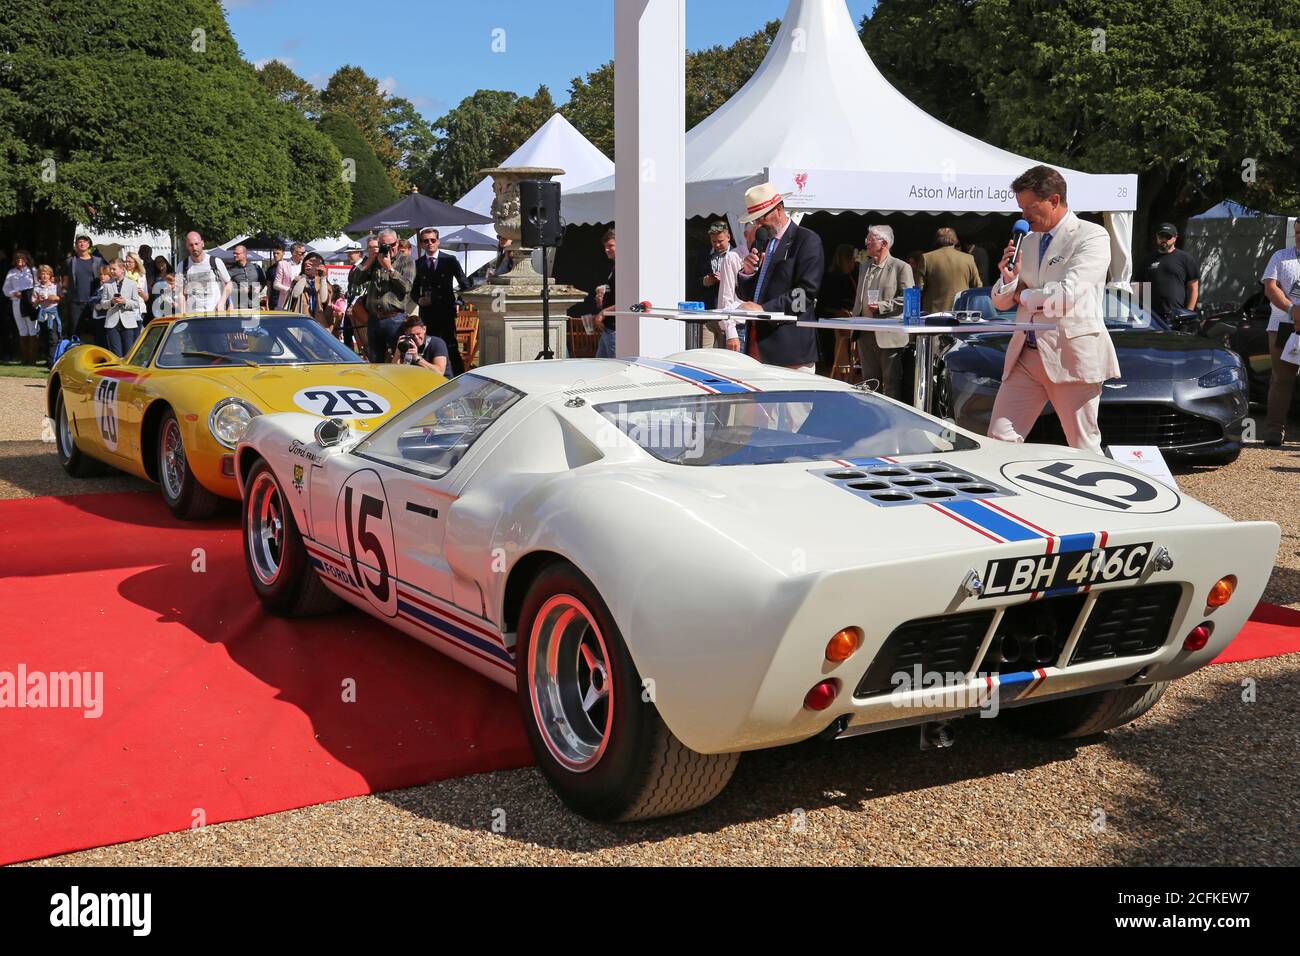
(650, 168)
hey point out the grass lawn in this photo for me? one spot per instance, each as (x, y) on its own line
(14, 370)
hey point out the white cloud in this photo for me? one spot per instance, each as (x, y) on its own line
(388, 85)
(286, 60)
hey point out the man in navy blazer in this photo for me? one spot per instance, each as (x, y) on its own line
(784, 277)
(435, 272)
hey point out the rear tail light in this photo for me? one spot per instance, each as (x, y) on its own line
(844, 644)
(822, 695)
(1221, 593)
(1199, 637)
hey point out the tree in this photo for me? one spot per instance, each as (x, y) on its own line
(409, 132)
(1186, 93)
(591, 107)
(371, 188)
(527, 114)
(713, 76)
(225, 157)
(355, 94)
(716, 74)
(464, 145)
(289, 88)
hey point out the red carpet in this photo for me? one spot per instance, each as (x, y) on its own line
(211, 710)
(1271, 632)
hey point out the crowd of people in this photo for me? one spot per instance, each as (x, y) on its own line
(395, 306)
(400, 304)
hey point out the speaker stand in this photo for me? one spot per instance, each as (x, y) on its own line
(546, 352)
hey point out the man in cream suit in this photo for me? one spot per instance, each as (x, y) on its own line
(887, 277)
(1057, 287)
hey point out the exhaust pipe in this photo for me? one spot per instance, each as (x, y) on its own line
(1041, 649)
(1005, 649)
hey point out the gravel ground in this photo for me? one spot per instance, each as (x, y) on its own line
(1205, 778)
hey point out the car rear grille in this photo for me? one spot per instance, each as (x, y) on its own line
(1136, 423)
(1125, 622)
(1128, 622)
(945, 644)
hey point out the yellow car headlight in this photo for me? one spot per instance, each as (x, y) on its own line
(229, 420)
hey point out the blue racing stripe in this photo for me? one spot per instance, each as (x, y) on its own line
(695, 375)
(455, 631)
(980, 514)
(866, 462)
(1078, 542)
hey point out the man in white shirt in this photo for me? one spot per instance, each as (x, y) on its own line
(204, 284)
(1282, 288)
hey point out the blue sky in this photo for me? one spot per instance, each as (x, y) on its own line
(436, 52)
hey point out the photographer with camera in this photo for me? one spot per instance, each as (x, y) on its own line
(415, 346)
(386, 277)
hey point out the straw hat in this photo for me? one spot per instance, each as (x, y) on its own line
(759, 201)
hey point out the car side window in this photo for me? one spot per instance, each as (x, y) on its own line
(435, 433)
(143, 353)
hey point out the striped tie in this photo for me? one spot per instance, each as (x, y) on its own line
(751, 328)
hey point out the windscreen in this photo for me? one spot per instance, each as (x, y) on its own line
(243, 340)
(764, 428)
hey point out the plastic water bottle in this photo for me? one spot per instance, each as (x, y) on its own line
(912, 306)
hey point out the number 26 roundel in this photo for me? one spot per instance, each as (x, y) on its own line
(365, 530)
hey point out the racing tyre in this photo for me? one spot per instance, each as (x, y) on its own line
(274, 553)
(74, 461)
(1087, 714)
(606, 751)
(187, 499)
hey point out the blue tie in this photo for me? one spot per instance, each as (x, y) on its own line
(1031, 337)
(762, 273)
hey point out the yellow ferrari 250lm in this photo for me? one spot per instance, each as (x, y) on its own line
(175, 408)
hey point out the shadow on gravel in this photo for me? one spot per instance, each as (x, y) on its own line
(32, 469)
(768, 784)
(1219, 790)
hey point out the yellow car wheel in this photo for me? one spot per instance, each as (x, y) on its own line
(74, 461)
(187, 499)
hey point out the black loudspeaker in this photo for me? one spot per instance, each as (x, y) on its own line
(539, 214)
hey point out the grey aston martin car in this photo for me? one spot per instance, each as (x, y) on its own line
(1183, 393)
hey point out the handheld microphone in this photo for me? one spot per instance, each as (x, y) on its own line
(1018, 233)
(762, 238)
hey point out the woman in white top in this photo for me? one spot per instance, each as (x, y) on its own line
(163, 293)
(123, 307)
(19, 280)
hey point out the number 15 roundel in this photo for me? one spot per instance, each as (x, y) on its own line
(365, 531)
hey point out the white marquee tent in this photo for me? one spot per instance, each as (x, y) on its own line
(820, 122)
(556, 143)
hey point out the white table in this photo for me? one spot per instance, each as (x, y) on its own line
(923, 336)
(696, 319)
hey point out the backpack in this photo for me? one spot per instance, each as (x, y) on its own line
(63, 346)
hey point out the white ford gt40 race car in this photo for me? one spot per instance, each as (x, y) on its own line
(676, 560)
